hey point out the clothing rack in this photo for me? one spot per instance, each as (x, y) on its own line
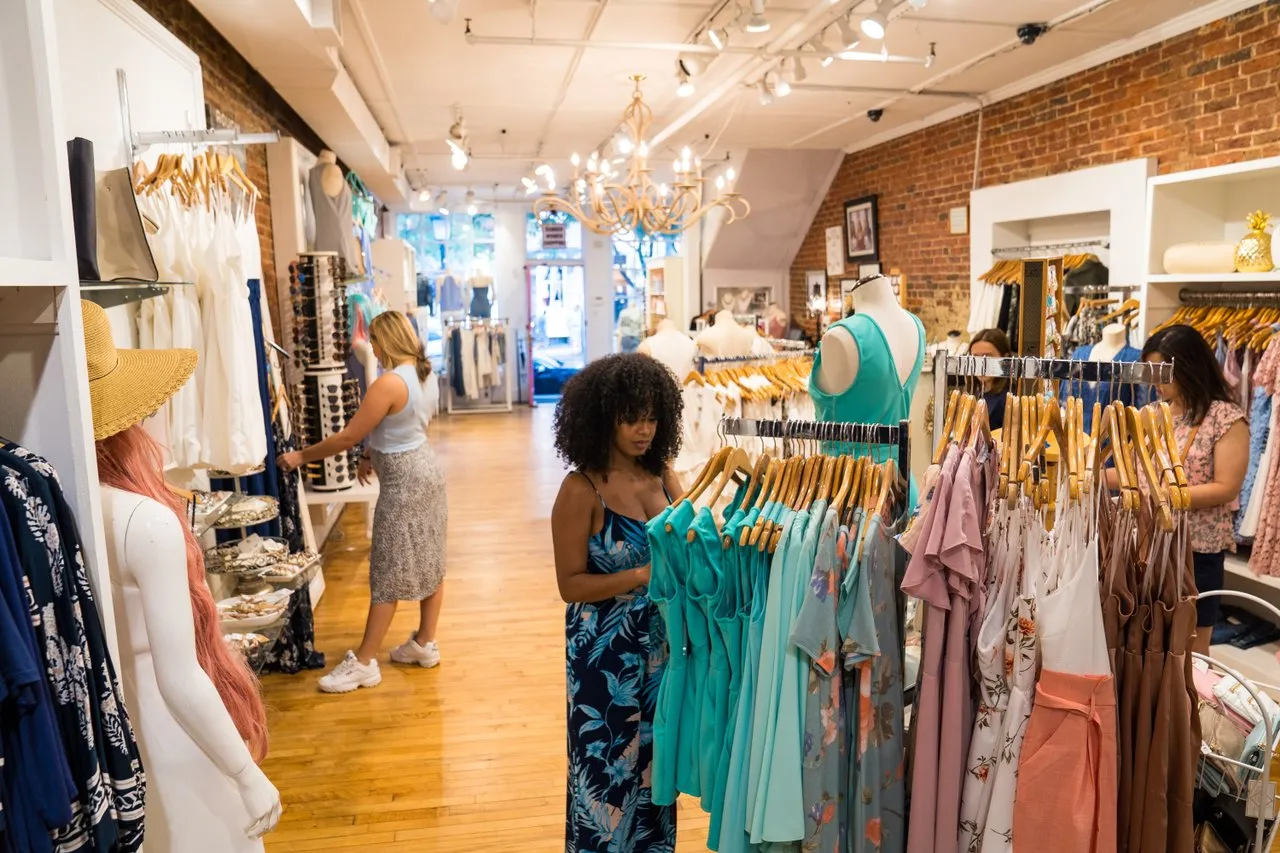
(836, 431)
(135, 142)
(509, 367)
(979, 366)
(1049, 248)
(1239, 298)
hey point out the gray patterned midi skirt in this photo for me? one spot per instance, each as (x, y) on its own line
(406, 557)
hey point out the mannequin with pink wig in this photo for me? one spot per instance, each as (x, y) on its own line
(199, 718)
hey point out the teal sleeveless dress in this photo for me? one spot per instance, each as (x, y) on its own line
(876, 395)
(668, 582)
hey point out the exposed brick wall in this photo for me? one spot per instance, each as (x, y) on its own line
(1205, 98)
(234, 88)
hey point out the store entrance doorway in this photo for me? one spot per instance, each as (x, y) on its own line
(557, 327)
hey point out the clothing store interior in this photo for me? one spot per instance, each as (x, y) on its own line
(840, 425)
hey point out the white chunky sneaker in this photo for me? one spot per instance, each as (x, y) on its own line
(351, 675)
(410, 652)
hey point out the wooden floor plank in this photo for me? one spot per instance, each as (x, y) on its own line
(470, 756)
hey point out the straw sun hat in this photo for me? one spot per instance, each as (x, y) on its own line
(126, 386)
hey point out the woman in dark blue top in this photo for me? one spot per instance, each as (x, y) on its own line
(618, 427)
(992, 343)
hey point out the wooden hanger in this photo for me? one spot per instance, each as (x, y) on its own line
(944, 436)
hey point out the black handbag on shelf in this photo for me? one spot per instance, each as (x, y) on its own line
(84, 206)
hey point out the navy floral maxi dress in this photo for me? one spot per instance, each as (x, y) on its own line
(614, 659)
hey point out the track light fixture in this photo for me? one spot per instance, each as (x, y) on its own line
(691, 64)
(848, 37)
(459, 156)
(471, 203)
(757, 23)
(719, 37)
(685, 87)
(766, 95)
(442, 203)
(798, 74)
(917, 4)
(424, 195)
(781, 87)
(933, 55)
(875, 24)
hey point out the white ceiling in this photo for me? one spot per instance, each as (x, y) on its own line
(528, 103)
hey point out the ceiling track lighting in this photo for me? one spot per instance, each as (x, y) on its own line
(917, 4)
(685, 86)
(757, 23)
(719, 37)
(472, 209)
(875, 24)
(780, 86)
(933, 55)
(442, 203)
(459, 155)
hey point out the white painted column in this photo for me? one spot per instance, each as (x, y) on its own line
(597, 256)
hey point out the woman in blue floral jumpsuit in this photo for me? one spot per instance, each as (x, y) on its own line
(618, 427)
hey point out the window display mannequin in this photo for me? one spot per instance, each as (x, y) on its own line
(725, 339)
(331, 203)
(481, 302)
(672, 347)
(195, 708)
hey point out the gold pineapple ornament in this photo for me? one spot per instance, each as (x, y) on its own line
(1253, 253)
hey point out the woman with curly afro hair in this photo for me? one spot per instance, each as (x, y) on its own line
(618, 427)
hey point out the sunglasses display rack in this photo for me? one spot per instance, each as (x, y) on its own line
(321, 326)
(327, 399)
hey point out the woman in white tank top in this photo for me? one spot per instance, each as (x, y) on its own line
(406, 556)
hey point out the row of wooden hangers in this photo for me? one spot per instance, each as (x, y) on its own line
(1040, 434)
(194, 177)
(759, 381)
(1009, 271)
(1251, 326)
(846, 482)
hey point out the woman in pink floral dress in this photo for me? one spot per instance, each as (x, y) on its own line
(1213, 438)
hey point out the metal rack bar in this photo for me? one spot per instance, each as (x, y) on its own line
(1100, 289)
(836, 431)
(701, 362)
(136, 141)
(1051, 247)
(1242, 298)
(1124, 372)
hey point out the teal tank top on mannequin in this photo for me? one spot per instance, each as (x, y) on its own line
(876, 395)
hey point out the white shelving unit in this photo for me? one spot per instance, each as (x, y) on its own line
(1211, 205)
(44, 387)
(1198, 206)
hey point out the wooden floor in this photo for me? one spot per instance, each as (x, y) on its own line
(470, 756)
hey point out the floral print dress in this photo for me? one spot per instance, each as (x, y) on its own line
(614, 659)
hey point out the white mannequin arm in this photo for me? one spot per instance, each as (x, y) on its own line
(839, 361)
(156, 555)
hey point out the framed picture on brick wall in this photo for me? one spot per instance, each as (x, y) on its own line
(861, 231)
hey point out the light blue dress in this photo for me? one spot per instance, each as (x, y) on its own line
(667, 585)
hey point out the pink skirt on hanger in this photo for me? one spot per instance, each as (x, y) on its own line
(1067, 788)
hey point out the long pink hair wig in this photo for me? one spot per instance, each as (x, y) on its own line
(133, 462)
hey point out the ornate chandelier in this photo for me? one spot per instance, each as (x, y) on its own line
(608, 201)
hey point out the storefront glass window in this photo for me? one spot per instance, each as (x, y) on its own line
(450, 251)
(633, 255)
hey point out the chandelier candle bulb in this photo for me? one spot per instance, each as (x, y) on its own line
(573, 158)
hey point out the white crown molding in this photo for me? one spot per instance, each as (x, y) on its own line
(1184, 23)
(155, 32)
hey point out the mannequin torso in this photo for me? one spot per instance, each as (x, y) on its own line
(839, 365)
(205, 795)
(330, 174)
(671, 347)
(1113, 340)
(726, 338)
